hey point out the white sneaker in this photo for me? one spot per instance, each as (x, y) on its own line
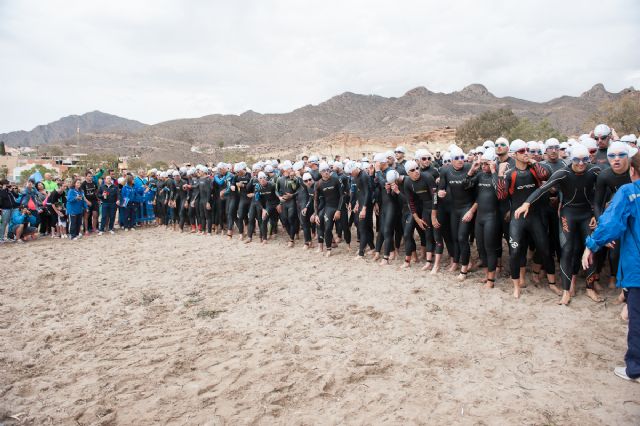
(622, 373)
(99, 233)
(80, 235)
(112, 233)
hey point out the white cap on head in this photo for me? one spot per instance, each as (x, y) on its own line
(298, 165)
(564, 145)
(274, 163)
(256, 167)
(323, 166)
(601, 130)
(183, 169)
(421, 153)
(365, 159)
(390, 154)
(401, 149)
(313, 159)
(619, 146)
(221, 165)
(628, 138)
(379, 158)
(533, 145)
(175, 173)
(338, 165)
(164, 174)
(287, 162)
(480, 149)
(583, 136)
(262, 175)
(502, 140)
(552, 143)
(488, 144)
(364, 164)
(517, 145)
(239, 166)
(410, 165)
(489, 154)
(571, 140)
(268, 168)
(446, 156)
(285, 166)
(579, 151)
(589, 143)
(349, 167)
(392, 176)
(306, 176)
(455, 151)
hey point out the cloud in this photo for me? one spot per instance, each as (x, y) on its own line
(159, 60)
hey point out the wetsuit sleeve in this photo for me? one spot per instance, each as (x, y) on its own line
(553, 181)
(599, 196)
(541, 171)
(613, 222)
(410, 196)
(316, 195)
(366, 189)
(442, 183)
(219, 180)
(341, 192)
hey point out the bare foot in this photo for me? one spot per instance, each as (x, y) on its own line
(435, 270)
(453, 267)
(462, 277)
(426, 267)
(516, 291)
(328, 253)
(264, 241)
(392, 256)
(625, 313)
(554, 288)
(358, 257)
(320, 249)
(405, 265)
(566, 298)
(248, 241)
(572, 289)
(376, 256)
(488, 285)
(290, 244)
(598, 286)
(593, 295)
(305, 247)
(384, 262)
(535, 276)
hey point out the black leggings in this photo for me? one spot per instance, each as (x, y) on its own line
(384, 241)
(460, 232)
(255, 213)
(534, 227)
(305, 223)
(488, 233)
(343, 226)
(574, 230)
(204, 217)
(271, 219)
(326, 225)
(232, 212)
(444, 218)
(365, 230)
(243, 213)
(289, 218)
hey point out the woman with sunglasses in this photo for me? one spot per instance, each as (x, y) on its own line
(488, 223)
(516, 185)
(576, 184)
(462, 212)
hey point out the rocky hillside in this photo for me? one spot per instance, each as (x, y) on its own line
(417, 111)
(66, 127)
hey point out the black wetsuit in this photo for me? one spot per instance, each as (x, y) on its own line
(304, 200)
(550, 210)
(517, 185)
(420, 195)
(388, 207)
(452, 181)
(204, 207)
(244, 203)
(268, 201)
(364, 199)
(601, 159)
(576, 211)
(331, 192)
(288, 187)
(488, 224)
(343, 227)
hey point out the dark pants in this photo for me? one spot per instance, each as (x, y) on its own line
(108, 216)
(75, 222)
(632, 358)
(129, 218)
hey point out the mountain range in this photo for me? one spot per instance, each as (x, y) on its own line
(368, 116)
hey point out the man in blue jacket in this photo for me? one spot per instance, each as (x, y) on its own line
(23, 225)
(621, 220)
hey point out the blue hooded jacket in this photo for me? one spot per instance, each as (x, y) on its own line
(621, 220)
(17, 219)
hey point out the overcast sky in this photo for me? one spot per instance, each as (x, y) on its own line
(163, 59)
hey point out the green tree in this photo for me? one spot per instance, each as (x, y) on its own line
(24, 176)
(488, 125)
(55, 151)
(532, 131)
(3, 150)
(220, 144)
(622, 114)
(4, 172)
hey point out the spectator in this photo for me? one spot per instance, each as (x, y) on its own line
(49, 185)
(76, 206)
(8, 202)
(108, 195)
(23, 225)
(56, 206)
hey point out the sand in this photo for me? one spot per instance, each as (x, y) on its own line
(155, 327)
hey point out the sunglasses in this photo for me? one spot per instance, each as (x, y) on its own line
(399, 152)
(501, 144)
(411, 170)
(552, 148)
(562, 149)
(580, 160)
(615, 155)
(426, 158)
(534, 151)
(457, 158)
(446, 161)
(521, 151)
(308, 180)
(325, 171)
(601, 138)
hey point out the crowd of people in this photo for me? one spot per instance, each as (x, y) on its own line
(543, 199)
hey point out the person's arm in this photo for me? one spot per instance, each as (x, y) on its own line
(553, 182)
(613, 222)
(599, 196)
(470, 181)
(341, 193)
(97, 176)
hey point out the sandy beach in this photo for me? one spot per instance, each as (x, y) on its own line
(153, 327)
